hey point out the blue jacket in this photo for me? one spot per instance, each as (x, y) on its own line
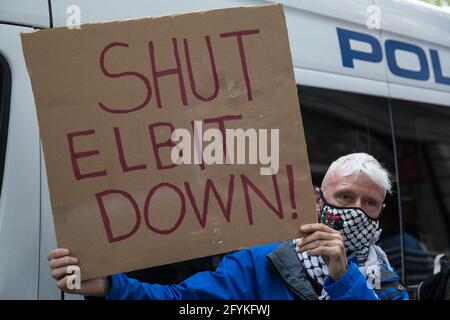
(271, 271)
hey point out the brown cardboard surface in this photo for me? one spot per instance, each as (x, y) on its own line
(108, 96)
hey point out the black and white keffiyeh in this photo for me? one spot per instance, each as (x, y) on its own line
(357, 229)
(359, 233)
(317, 269)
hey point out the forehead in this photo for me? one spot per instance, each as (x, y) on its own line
(359, 184)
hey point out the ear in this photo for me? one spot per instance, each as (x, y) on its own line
(317, 199)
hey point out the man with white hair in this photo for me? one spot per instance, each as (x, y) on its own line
(337, 259)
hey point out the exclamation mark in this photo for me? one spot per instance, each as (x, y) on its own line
(290, 176)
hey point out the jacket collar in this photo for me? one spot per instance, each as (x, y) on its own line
(285, 260)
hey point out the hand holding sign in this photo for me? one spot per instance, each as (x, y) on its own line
(61, 262)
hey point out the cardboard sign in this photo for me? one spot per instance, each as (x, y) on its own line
(109, 96)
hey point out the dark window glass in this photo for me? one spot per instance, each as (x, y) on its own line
(423, 143)
(336, 123)
(5, 94)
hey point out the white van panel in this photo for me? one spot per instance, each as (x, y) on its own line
(341, 82)
(19, 200)
(25, 12)
(354, 11)
(47, 285)
(106, 10)
(109, 10)
(419, 90)
(414, 18)
(315, 46)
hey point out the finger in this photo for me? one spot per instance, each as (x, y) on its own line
(59, 273)
(62, 284)
(321, 243)
(312, 227)
(58, 253)
(63, 262)
(320, 235)
(321, 251)
(326, 252)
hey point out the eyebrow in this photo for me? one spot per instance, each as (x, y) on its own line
(338, 192)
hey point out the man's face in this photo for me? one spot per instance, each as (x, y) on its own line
(352, 191)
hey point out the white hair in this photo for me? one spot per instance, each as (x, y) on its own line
(355, 163)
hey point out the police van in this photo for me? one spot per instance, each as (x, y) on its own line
(373, 76)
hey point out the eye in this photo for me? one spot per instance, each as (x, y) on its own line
(371, 202)
(344, 197)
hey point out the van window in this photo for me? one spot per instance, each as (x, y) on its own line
(5, 95)
(338, 123)
(423, 151)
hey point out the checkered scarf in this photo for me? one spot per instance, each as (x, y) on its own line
(357, 229)
(359, 233)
